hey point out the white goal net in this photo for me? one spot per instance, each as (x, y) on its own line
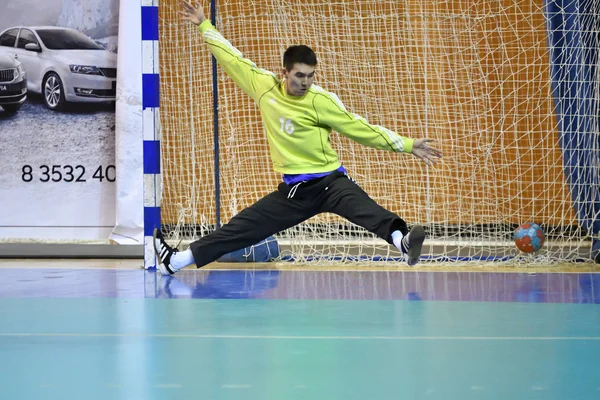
(482, 78)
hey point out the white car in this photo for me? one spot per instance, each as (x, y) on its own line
(13, 84)
(62, 64)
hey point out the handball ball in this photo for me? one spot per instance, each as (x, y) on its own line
(529, 237)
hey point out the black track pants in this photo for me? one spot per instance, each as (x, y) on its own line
(289, 206)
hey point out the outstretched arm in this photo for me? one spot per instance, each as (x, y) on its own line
(332, 113)
(244, 72)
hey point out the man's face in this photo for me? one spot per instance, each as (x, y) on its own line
(299, 79)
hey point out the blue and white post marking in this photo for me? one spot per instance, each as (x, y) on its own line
(150, 127)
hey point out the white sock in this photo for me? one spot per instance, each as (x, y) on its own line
(182, 259)
(397, 238)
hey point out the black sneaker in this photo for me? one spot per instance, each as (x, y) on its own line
(414, 244)
(164, 252)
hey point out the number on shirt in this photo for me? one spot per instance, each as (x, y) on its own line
(286, 125)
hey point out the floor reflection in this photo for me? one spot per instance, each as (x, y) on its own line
(582, 288)
(382, 285)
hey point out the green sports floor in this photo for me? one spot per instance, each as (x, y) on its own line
(101, 330)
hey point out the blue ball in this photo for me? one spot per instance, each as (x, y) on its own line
(529, 237)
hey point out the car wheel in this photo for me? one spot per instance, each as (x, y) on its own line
(53, 91)
(11, 108)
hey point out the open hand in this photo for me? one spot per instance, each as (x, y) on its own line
(429, 155)
(192, 12)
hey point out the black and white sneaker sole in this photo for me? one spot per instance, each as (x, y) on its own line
(416, 238)
(164, 270)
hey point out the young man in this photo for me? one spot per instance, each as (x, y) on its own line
(298, 118)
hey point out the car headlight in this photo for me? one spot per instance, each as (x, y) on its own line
(84, 69)
(20, 70)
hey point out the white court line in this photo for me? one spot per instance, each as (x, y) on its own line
(243, 337)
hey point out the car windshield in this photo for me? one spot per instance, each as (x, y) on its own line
(61, 39)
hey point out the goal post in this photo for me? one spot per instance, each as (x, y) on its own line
(508, 89)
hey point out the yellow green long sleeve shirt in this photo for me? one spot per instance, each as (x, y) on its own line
(298, 127)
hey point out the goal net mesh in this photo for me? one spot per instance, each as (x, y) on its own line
(475, 76)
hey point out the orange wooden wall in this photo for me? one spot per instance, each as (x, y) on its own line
(471, 74)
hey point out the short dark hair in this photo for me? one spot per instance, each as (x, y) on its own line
(299, 55)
